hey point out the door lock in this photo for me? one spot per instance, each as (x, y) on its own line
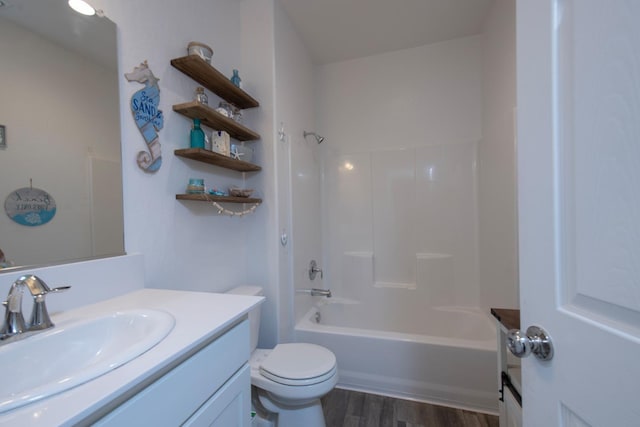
(535, 341)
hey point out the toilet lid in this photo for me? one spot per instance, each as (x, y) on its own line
(299, 364)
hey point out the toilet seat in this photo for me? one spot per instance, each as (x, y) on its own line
(298, 364)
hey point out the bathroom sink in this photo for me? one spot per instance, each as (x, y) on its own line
(76, 352)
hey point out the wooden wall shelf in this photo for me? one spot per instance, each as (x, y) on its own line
(211, 118)
(220, 199)
(202, 72)
(213, 158)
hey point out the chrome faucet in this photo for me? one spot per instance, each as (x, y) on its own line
(315, 292)
(14, 325)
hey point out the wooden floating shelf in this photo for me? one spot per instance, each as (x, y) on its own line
(211, 118)
(205, 74)
(220, 199)
(213, 158)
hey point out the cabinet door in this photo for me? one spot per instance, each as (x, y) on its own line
(176, 396)
(513, 411)
(229, 407)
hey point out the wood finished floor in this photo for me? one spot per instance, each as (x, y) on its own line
(345, 408)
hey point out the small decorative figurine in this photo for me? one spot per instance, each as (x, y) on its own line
(221, 142)
(235, 79)
(148, 118)
(235, 153)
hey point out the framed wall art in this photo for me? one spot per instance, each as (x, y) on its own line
(3, 136)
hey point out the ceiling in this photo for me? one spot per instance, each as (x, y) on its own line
(92, 36)
(337, 30)
(332, 30)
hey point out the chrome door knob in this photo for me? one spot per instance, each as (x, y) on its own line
(535, 341)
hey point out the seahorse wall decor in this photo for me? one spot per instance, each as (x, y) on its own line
(147, 115)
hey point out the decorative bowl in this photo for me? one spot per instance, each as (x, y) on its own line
(200, 49)
(240, 192)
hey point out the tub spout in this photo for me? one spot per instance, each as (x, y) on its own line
(315, 292)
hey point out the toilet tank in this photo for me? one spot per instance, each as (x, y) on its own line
(254, 315)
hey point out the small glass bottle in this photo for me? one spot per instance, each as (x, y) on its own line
(235, 79)
(224, 108)
(201, 97)
(236, 114)
(197, 135)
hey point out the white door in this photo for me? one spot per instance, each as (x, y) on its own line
(579, 208)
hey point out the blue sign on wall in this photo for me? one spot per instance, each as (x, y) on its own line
(147, 115)
(30, 206)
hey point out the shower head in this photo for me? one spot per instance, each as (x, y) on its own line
(318, 138)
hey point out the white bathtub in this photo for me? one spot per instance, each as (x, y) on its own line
(443, 355)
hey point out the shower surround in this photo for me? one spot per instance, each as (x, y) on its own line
(399, 217)
(403, 219)
(401, 261)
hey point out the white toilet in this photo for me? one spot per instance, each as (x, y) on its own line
(291, 378)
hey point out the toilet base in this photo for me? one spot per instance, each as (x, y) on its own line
(308, 414)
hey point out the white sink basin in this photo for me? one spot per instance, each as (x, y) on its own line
(76, 352)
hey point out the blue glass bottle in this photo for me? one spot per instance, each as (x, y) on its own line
(235, 79)
(197, 135)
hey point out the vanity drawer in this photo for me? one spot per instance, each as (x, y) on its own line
(230, 406)
(172, 399)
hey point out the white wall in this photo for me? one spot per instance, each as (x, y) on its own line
(497, 174)
(52, 142)
(399, 174)
(186, 245)
(263, 256)
(298, 162)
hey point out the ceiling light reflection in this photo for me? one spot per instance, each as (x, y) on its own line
(82, 7)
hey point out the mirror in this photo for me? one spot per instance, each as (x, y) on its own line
(59, 106)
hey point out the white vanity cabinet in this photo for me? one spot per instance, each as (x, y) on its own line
(197, 375)
(212, 387)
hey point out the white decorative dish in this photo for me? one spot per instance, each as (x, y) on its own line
(240, 192)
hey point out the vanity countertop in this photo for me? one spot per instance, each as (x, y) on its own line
(200, 317)
(508, 318)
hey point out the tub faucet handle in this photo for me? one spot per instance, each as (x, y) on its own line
(314, 269)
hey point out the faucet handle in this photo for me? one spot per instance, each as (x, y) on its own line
(40, 318)
(314, 269)
(38, 287)
(58, 289)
